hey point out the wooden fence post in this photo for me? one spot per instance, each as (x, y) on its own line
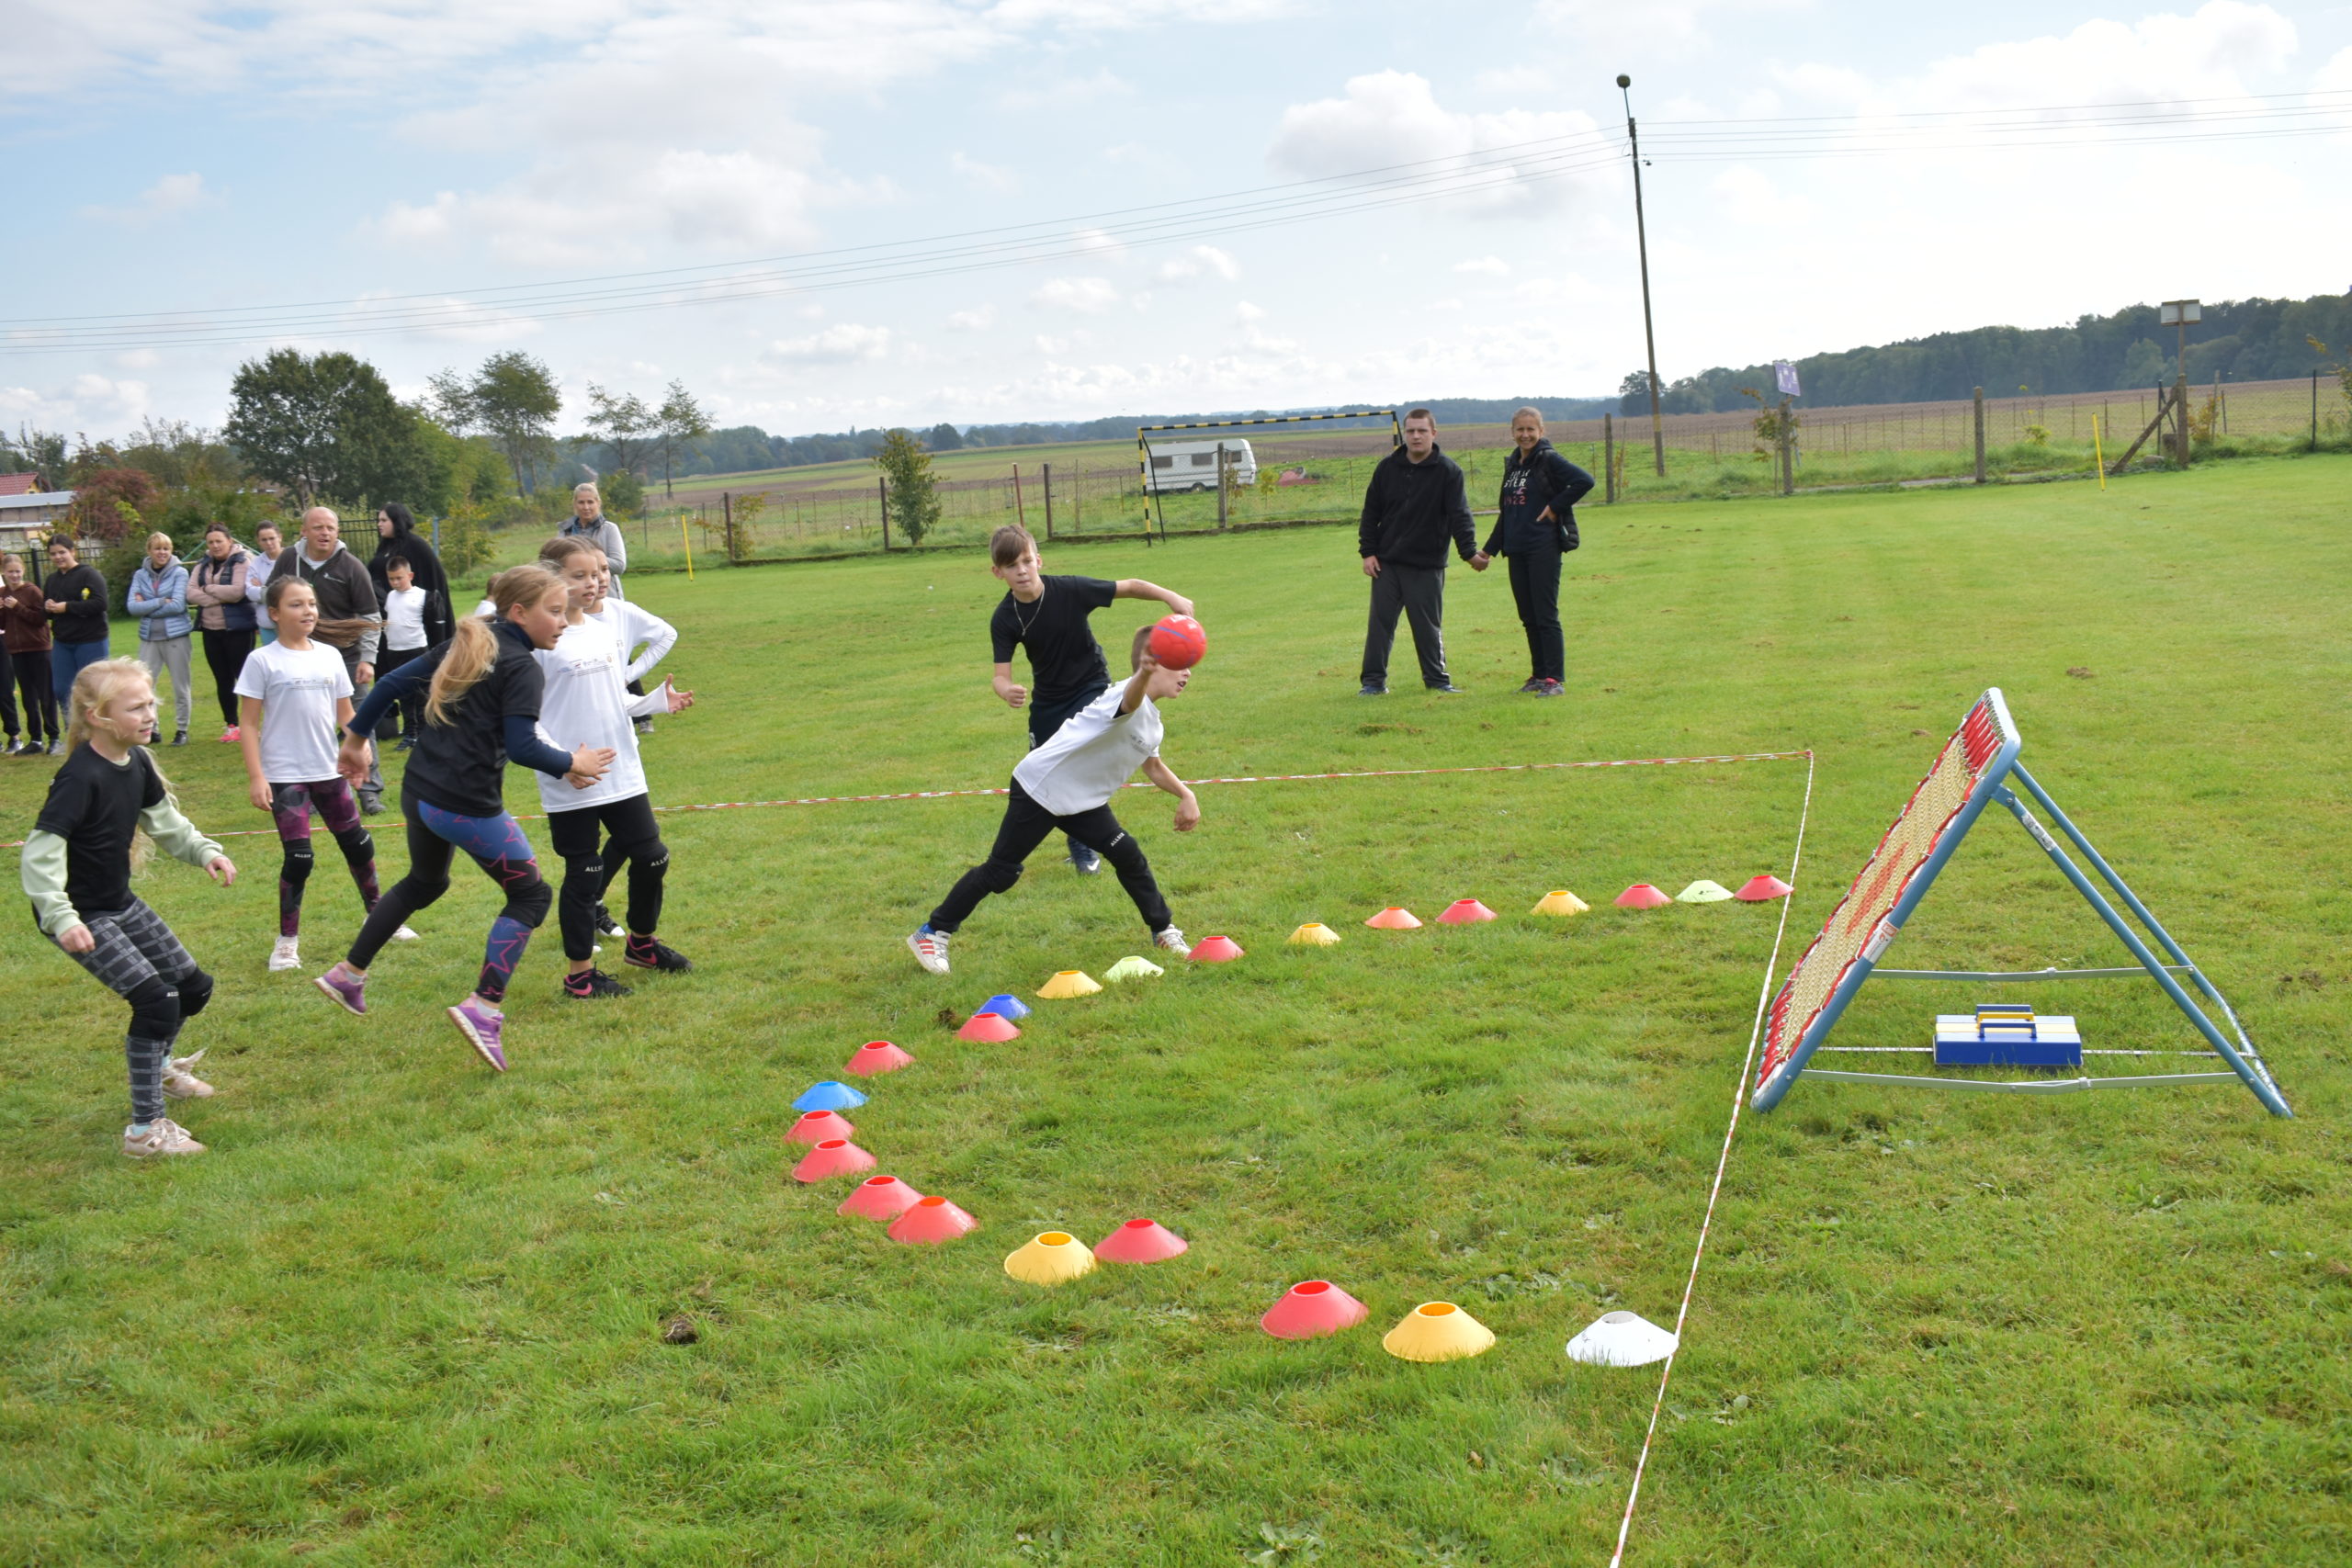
(1046, 473)
(882, 495)
(727, 514)
(1608, 456)
(1788, 454)
(1979, 435)
(2181, 415)
(2314, 411)
(1220, 484)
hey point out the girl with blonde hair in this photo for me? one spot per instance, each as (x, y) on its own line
(482, 693)
(107, 807)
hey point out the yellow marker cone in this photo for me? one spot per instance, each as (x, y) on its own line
(1560, 902)
(1437, 1331)
(1315, 933)
(1055, 1257)
(1134, 968)
(1069, 983)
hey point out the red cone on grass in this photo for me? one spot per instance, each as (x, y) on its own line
(880, 1198)
(1394, 919)
(987, 1026)
(1757, 889)
(831, 1158)
(1215, 950)
(876, 1056)
(1312, 1308)
(1641, 896)
(1465, 911)
(819, 1125)
(1140, 1241)
(931, 1219)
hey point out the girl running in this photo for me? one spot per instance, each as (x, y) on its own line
(293, 696)
(588, 700)
(78, 867)
(481, 711)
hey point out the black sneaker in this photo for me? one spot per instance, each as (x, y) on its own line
(1551, 689)
(56, 745)
(1083, 861)
(1534, 686)
(1373, 689)
(405, 743)
(647, 954)
(1448, 690)
(180, 738)
(645, 727)
(371, 805)
(605, 924)
(590, 984)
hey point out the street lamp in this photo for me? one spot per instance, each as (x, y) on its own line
(1641, 234)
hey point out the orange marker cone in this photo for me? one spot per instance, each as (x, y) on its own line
(833, 1156)
(930, 1220)
(1464, 912)
(819, 1125)
(1215, 950)
(876, 1056)
(880, 1198)
(1393, 919)
(1438, 1331)
(1757, 889)
(987, 1026)
(1312, 1308)
(1641, 896)
(1140, 1241)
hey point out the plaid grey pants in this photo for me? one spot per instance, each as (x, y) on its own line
(135, 947)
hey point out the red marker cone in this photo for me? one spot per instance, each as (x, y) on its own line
(1757, 889)
(1393, 919)
(833, 1156)
(819, 1125)
(1641, 896)
(1140, 1241)
(1215, 950)
(876, 1056)
(931, 1219)
(1463, 912)
(880, 1198)
(987, 1026)
(1313, 1308)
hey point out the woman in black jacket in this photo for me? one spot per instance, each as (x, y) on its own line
(396, 529)
(1536, 526)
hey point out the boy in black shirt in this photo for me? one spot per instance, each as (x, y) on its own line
(1048, 615)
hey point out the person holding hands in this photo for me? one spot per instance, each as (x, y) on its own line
(1537, 526)
(1413, 507)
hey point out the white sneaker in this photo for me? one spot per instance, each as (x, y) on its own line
(403, 934)
(180, 1083)
(285, 955)
(1173, 940)
(929, 949)
(162, 1136)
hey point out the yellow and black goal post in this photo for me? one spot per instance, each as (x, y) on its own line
(1191, 460)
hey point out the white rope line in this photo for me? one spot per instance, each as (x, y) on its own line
(1738, 1098)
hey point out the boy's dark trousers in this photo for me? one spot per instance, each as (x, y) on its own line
(1419, 592)
(1535, 585)
(1025, 826)
(1044, 719)
(411, 708)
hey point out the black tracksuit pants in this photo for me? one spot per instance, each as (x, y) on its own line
(587, 871)
(1535, 585)
(1025, 826)
(1420, 593)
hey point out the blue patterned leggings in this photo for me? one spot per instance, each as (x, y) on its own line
(497, 845)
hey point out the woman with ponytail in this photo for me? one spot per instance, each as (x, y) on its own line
(481, 710)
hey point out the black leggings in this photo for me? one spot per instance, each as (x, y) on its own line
(41, 696)
(497, 845)
(1025, 826)
(224, 655)
(587, 872)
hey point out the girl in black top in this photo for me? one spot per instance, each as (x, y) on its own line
(1536, 525)
(481, 711)
(77, 865)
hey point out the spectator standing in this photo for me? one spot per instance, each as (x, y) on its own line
(224, 615)
(75, 597)
(349, 619)
(1536, 525)
(8, 679)
(1413, 505)
(396, 535)
(271, 544)
(405, 639)
(158, 597)
(24, 626)
(589, 523)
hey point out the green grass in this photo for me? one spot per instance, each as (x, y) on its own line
(406, 1312)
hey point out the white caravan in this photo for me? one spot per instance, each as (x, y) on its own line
(1191, 465)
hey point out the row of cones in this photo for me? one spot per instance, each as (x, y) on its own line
(915, 1219)
(1056, 1257)
(1559, 901)
(1755, 890)
(1442, 1331)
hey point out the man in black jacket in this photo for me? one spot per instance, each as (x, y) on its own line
(1414, 502)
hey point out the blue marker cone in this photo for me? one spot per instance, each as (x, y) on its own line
(1008, 1006)
(829, 1096)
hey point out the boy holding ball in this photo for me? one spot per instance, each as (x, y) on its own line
(1068, 782)
(1048, 615)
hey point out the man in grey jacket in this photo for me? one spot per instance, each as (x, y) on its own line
(589, 522)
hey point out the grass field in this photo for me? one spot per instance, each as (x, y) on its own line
(409, 1311)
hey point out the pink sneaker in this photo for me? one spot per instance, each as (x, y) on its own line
(180, 1081)
(481, 1026)
(346, 987)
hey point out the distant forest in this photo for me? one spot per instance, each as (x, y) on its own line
(2245, 340)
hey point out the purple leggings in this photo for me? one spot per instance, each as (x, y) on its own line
(290, 804)
(497, 845)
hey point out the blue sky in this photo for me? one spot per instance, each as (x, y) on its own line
(174, 155)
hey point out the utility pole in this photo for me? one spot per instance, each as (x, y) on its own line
(1641, 234)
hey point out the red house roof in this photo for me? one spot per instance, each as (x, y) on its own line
(19, 484)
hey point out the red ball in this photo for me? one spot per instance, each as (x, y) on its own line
(1177, 642)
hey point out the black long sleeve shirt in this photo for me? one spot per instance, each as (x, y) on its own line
(1410, 509)
(1543, 479)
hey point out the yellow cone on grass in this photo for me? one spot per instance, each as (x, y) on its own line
(1054, 1257)
(1069, 983)
(1315, 933)
(1132, 969)
(1560, 902)
(1438, 1331)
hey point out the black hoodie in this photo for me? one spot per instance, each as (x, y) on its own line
(1542, 479)
(1409, 508)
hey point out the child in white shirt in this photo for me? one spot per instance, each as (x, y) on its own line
(405, 639)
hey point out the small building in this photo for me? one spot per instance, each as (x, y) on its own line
(28, 514)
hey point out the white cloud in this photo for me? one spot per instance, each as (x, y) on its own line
(1200, 261)
(1661, 26)
(1392, 118)
(1088, 295)
(1095, 243)
(2336, 75)
(172, 193)
(1747, 196)
(1510, 81)
(973, 321)
(977, 176)
(1492, 266)
(1246, 312)
(84, 402)
(1064, 92)
(846, 344)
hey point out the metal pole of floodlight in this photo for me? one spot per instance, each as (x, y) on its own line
(1641, 234)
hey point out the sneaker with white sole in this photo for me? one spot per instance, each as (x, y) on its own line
(403, 934)
(350, 990)
(481, 1026)
(1085, 861)
(605, 924)
(930, 948)
(1173, 940)
(285, 955)
(180, 1081)
(162, 1136)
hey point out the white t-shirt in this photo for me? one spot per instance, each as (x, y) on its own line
(297, 693)
(403, 619)
(587, 702)
(1096, 750)
(631, 627)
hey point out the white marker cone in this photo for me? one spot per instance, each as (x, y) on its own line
(1622, 1340)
